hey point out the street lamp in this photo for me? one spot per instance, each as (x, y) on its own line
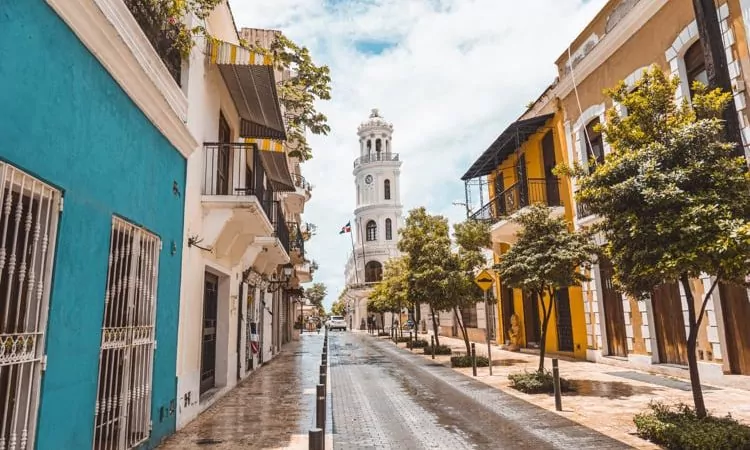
(275, 284)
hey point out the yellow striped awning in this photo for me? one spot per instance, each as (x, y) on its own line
(266, 144)
(250, 79)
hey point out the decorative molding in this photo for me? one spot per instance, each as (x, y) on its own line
(113, 36)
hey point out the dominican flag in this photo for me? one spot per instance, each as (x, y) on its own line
(346, 228)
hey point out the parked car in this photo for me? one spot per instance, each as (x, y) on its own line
(336, 323)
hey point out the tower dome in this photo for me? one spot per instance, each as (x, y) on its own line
(375, 135)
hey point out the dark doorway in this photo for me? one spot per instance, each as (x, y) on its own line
(552, 185)
(531, 319)
(669, 325)
(208, 350)
(508, 308)
(373, 272)
(614, 315)
(564, 321)
(735, 308)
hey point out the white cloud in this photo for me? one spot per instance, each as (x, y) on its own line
(460, 71)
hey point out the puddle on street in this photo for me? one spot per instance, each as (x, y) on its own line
(507, 362)
(608, 389)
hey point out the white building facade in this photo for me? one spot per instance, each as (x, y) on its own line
(378, 213)
(244, 198)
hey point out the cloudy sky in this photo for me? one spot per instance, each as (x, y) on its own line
(449, 74)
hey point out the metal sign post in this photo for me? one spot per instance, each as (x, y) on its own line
(485, 281)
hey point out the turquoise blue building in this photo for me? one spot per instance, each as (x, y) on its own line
(91, 236)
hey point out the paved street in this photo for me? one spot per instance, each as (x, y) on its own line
(384, 397)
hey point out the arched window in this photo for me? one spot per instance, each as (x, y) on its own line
(371, 231)
(388, 230)
(695, 65)
(387, 189)
(594, 145)
(373, 272)
(369, 147)
(378, 145)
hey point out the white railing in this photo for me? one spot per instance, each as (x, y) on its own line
(123, 404)
(29, 211)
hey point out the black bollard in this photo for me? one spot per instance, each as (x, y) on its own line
(432, 341)
(323, 375)
(473, 359)
(556, 383)
(320, 410)
(316, 438)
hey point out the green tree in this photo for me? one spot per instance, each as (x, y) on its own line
(298, 92)
(338, 308)
(674, 202)
(425, 239)
(316, 294)
(471, 237)
(546, 257)
(391, 293)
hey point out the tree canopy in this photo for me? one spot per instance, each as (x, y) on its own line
(316, 294)
(547, 256)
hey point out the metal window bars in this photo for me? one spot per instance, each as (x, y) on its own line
(123, 404)
(29, 212)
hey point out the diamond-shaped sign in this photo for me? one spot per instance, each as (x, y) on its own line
(484, 280)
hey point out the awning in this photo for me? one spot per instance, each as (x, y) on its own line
(249, 76)
(267, 144)
(277, 170)
(504, 145)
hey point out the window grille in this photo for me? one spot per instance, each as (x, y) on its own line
(123, 404)
(28, 225)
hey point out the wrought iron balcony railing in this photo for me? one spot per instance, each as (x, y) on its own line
(375, 157)
(280, 229)
(582, 210)
(296, 242)
(159, 31)
(300, 182)
(519, 195)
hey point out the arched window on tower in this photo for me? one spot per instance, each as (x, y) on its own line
(373, 272)
(695, 65)
(369, 147)
(371, 231)
(378, 148)
(387, 189)
(388, 230)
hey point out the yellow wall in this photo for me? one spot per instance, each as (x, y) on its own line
(532, 149)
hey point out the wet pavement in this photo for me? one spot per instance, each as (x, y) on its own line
(385, 397)
(272, 408)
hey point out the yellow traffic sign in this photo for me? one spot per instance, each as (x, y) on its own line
(484, 280)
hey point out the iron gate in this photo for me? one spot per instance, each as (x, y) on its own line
(123, 405)
(29, 212)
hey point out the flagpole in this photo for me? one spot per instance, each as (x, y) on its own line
(354, 256)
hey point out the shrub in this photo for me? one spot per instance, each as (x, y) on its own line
(403, 339)
(439, 350)
(418, 343)
(384, 334)
(679, 428)
(465, 361)
(537, 382)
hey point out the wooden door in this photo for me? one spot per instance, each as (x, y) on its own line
(564, 321)
(614, 316)
(735, 308)
(669, 325)
(552, 187)
(507, 309)
(531, 319)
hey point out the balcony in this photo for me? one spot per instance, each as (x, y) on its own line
(296, 243)
(375, 157)
(584, 216)
(159, 32)
(514, 199)
(275, 248)
(238, 206)
(295, 200)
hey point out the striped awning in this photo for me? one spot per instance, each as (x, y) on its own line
(266, 144)
(249, 76)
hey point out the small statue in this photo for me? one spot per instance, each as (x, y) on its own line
(514, 335)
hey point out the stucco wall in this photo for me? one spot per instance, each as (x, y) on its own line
(65, 120)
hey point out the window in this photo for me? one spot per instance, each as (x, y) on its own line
(378, 144)
(387, 189)
(594, 145)
(695, 65)
(388, 230)
(373, 272)
(372, 231)
(123, 410)
(24, 297)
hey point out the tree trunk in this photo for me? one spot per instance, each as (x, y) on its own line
(382, 322)
(547, 313)
(463, 331)
(692, 341)
(434, 325)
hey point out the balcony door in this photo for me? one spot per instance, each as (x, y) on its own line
(222, 165)
(552, 188)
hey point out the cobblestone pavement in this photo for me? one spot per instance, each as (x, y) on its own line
(272, 408)
(383, 397)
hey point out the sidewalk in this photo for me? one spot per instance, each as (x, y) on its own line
(607, 396)
(274, 408)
